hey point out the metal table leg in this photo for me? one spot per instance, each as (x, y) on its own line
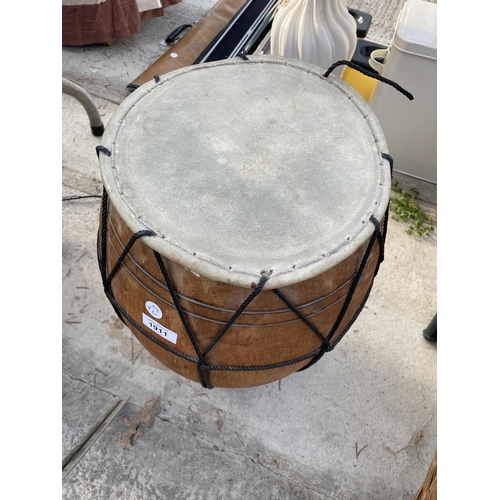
(85, 100)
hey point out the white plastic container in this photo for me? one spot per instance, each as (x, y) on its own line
(410, 127)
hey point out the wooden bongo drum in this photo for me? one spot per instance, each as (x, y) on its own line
(243, 216)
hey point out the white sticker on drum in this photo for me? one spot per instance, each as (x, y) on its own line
(154, 310)
(159, 329)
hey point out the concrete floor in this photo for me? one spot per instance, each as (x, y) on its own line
(360, 424)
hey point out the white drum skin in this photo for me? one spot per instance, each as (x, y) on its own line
(242, 169)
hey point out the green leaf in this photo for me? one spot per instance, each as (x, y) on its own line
(404, 208)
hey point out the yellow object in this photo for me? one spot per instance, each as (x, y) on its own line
(359, 82)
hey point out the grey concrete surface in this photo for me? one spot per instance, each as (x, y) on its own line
(360, 424)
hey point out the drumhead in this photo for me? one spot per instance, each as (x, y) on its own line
(243, 167)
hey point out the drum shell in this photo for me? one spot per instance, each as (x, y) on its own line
(266, 333)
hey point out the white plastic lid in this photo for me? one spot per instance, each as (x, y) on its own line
(417, 29)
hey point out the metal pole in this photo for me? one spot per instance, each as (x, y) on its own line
(85, 100)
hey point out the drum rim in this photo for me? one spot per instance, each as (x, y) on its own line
(205, 267)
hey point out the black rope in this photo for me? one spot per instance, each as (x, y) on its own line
(243, 55)
(356, 279)
(350, 294)
(371, 75)
(202, 365)
(302, 317)
(102, 149)
(388, 157)
(126, 250)
(122, 314)
(266, 367)
(101, 252)
(353, 319)
(101, 239)
(234, 317)
(380, 238)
